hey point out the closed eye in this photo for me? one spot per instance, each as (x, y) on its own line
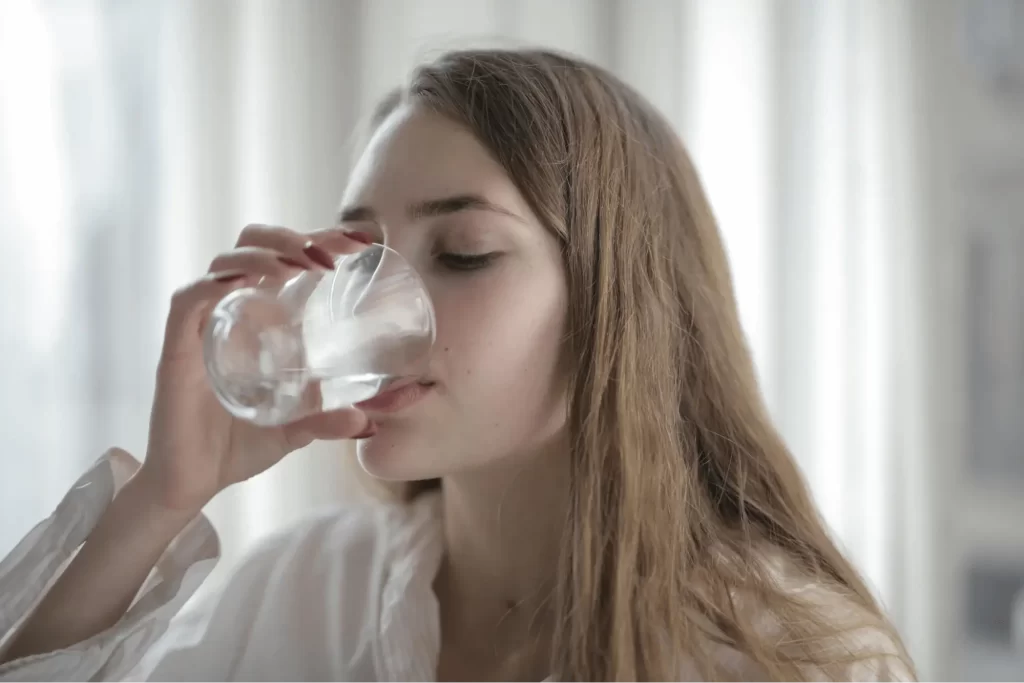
(466, 262)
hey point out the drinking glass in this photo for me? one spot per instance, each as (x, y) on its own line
(321, 340)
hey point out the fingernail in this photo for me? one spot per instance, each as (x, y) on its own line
(362, 237)
(318, 254)
(229, 277)
(294, 263)
(370, 430)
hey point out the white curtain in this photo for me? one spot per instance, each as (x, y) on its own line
(136, 139)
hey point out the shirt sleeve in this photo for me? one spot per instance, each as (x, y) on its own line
(31, 569)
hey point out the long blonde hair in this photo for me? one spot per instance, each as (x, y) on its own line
(681, 486)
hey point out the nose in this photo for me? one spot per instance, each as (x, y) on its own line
(369, 259)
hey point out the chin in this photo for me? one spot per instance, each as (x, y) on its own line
(394, 455)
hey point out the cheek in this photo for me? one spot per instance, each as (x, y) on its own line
(498, 346)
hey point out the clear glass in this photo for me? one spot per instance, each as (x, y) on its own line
(322, 340)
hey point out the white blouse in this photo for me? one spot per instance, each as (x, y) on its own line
(343, 596)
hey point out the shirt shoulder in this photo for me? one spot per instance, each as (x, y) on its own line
(870, 647)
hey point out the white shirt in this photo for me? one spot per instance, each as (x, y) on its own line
(343, 596)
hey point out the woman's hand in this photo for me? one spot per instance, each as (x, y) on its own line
(196, 448)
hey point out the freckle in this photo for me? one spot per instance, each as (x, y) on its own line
(446, 349)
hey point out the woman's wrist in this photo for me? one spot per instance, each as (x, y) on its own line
(146, 504)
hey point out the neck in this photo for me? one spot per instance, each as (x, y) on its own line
(503, 532)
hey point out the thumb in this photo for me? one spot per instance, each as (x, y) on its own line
(345, 423)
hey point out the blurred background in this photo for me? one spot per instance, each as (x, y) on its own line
(865, 159)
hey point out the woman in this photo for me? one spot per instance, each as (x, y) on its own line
(598, 492)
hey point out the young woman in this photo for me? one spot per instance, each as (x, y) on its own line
(597, 492)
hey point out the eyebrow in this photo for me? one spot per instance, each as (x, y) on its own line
(431, 208)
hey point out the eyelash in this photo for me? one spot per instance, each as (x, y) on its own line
(466, 262)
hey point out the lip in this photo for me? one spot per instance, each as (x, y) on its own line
(396, 398)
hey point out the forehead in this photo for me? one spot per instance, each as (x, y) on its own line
(417, 155)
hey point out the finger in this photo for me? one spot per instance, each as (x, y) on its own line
(338, 240)
(313, 248)
(345, 423)
(259, 260)
(289, 243)
(191, 307)
(282, 239)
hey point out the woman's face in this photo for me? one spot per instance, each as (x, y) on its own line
(428, 189)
